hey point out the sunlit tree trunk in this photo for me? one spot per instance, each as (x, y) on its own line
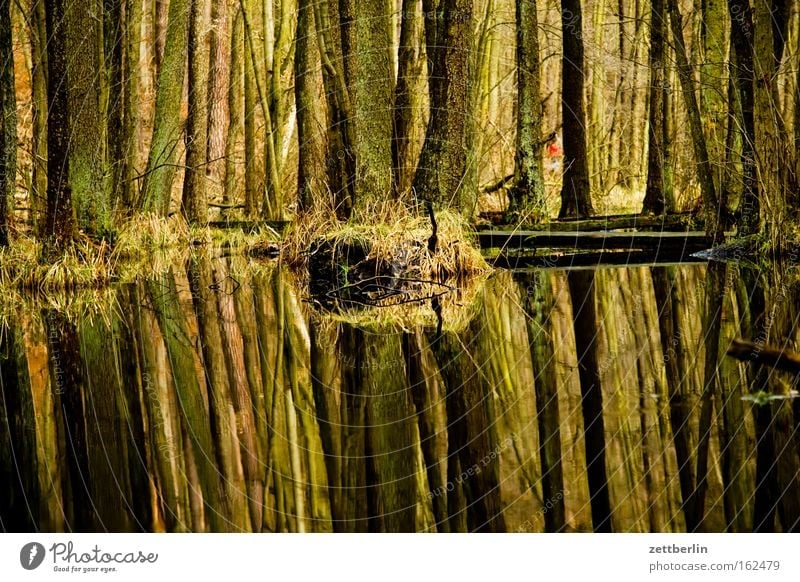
(408, 96)
(442, 174)
(366, 49)
(168, 127)
(575, 196)
(311, 179)
(704, 170)
(218, 104)
(236, 106)
(195, 203)
(527, 194)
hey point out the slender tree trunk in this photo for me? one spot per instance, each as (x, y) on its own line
(442, 175)
(575, 196)
(704, 170)
(60, 222)
(168, 126)
(112, 97)
(311, 179)
(38, 195)
(130, 147)
(8, 121)
(341, 136)
(655, 199)
(236, 107)
(218, 104)
(527, 195)
(195, 203)
(407, 97)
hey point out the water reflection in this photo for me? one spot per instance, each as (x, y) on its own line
(213, 398)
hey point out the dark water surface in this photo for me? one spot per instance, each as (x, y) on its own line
(213, 398)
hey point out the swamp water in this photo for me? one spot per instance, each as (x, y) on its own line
(215, 398)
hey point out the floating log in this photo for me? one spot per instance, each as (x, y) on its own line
(526, 240)
(669, 222)
(747, 351)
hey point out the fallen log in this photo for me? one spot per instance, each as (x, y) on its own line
(747, 351)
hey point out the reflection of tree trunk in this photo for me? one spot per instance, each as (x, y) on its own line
(766, 487)
(666, 292)
(473, 464)
(390, 435)
(111, 488)
(356, 502)
(164, 298)
(581, 288)
(538, 305)
(714, 296)
(19, 504)
(327, 388)
(425, 386)
(68, 383)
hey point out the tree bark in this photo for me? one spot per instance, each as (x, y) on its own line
(575, 196)
(443, 165)
(195, 203)
(168, 126)
(60, 222)
(655, 200)
(8, 121)
(218, 106)
(527, 194)
(704, 171)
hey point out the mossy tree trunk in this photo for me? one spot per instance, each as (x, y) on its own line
(131, 91)
(168, 127)
(575, 196)
(60, 227)
(527, 194)
(8, 121)
(311, 179)
(366, 47)
(89, 171)
(408, 96)
(194, 202)
(442, 174)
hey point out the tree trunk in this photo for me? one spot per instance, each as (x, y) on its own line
(575, 197)
(218, 105)
(8, 121)
(236, 107)
(527, 195)
(112, 91)
(366, 48)
(742, 41)
(311, 153)
(131, 94)
(655, 199)
(407, 97)
(442, 172)
(704, 171)
(60, 222)
(168, 126)
(88, 116)
(195, 203)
